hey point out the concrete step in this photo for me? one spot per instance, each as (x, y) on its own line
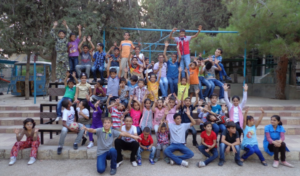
(19, 108)
(273, 112)
(275, 108)
(27, 113)
(8, 121)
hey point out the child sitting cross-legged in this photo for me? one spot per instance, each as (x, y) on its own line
(123, 91)
(105, 150)
(99, 92)
(230, 141)
(209, 144)
(162, 138)
(146, 144)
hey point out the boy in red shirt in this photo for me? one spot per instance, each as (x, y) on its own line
(208, 141)
(146, 144)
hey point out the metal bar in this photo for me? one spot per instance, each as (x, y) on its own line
(245, 63)
(169, 30)
(158, 51)
(161, 44)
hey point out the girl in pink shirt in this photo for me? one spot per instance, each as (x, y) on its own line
(135, 112)
(172, 103)
(159, 111)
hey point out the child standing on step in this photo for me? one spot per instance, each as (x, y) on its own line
(183, 85)
(250, 144)
(32, 141)
(147, 116)
(73, 49)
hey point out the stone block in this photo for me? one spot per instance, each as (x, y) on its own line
(64, 154)
(80, 153)
(92, 153)
(26, 153)
(7, 154)
(44, 153)
(2, 152)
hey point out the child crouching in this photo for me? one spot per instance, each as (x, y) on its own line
(146, 144)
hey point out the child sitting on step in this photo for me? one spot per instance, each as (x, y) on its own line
(162, 139)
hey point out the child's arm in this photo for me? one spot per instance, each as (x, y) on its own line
(244, 100)
(167, 125)
(203, 143)
(182, 96)
(165, 50)
(79, 31)
(76, 94)
(218, 66)
(147, 74)
(173, 30)
(108, 66)
(179, 54)
(68, 29)
(260, 118)
(66, 79)
(245, 118)
(144, 98)
(159, 75)
(52, 32)
(178, 101)
(91, 105)
(90, 130)
(107, 101)
(202, 68)
(90, 41)
(179, 74)
(154, 103)
(80, 45)
(74, 77)
(197, 97)
(226, 96)
(223, 140)
(160, 124)
(199, 29)
(187, 76)
(108, 53)
(188, 113)
(214, 144)
(129, 103)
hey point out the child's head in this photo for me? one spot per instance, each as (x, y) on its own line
(122, 82)
(122, 106)
(72, 37)
(116, 51)
(152, 62)
(28, 124)
(172, 102)
(250, 121)
(128, 121)
(174, 57)
(83, 104)
(236, 100)
(205, 107)
(211, 118)
(183, 81)
(146, 132)
(83, 77)
(187, 101)
(141, 83)
(136, 105)
(218, 52)
(70, 83)
(134, 61)
(160, 58)
(61, 34)
(147, 103)
(177, 118)
(231, 127)
(153, 78)
(275, 120)
(193, 65)
(85, 48)
(137, 50)
(163, 128)
(182, 33)
(100, 83)
(107, 123)
(160, 103)
(147, 60)
(133, 79)
(213, 99)
(112, 72)
(126, 35)
(208, 66)
(207, 126)
(66, 103)
(100, 46)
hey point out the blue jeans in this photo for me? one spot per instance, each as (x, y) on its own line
(187, 153)
(184, 63)
(214, 83)
(222, 72)
(252, 149)
(152, 152)
(194, 133)
(109, 155)
(100, 69)
(138, 130)
(124, 101)
(214, 151)
(222, 152)
(173, 83)
(203, 81)
(218, 128)
(73, 61)
(58, 109)
(163, 85)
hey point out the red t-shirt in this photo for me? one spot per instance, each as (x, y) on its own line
(146, 142)
(209, 140)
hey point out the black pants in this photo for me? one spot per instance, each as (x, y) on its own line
(276, 150)
(122, 145)
(239, 129)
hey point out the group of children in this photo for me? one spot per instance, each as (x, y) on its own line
(130, 109)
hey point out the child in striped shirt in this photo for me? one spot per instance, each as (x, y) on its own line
(116, 111)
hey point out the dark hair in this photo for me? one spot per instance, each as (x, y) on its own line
(152, 75)
(172, 99)
(84, 103)
(160, 54)
(125, 105)
(208, 65)
(82, 74)
(249, 118)
(134, 58)
(62, 31)
(127, 33)
(213, 95)
(200, 58)
(188, 98)
(147, 99)
(163, 125)
(70, 80)
(136, 47)
(183, 78)
(86, 46)
(107, 118)
(194, 62)
(113, 70)
(208, 117)
(134, 78)
(146, 130)
(123, 79)
(141, 80)
(127, 117)
(182, 30)
(72, 34)
(235, 96)
(230, 124)
(116, 48)
(101, 44)
(65, 103)
(146, 58)
(175, 54)
(101, 82)
(26, 121)
(207, 123)
(176, 115)
(277, 117)
(220, 50)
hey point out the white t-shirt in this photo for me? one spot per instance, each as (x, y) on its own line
(68, 115)
(236, 114)
(84, 111)
(163, 69)
(177, 132)
(141, 58)
(132, 131)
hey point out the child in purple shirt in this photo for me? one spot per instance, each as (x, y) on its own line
(73, 49)
(96, 122)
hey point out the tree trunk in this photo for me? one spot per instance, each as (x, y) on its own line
(27, 91)
(281, 70)
(53, 65)
(293, 73)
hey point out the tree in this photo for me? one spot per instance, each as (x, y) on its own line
(271, 26)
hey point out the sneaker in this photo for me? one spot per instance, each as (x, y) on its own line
(240, 163)
(222, 101)
(167, 160)
(12, 160)
(139, 162)
(155, 160)
(91, 144)
(83, 141)
(57, 119)
(31, 160)
(221, 163)
(59, 150)
(201, 164)
(264, 163)
(286, 164)
(134, 164)
(113, 171)
(94, 81)
(228, 79)
(151, 161)
(276, 164)
(171, 162)
(185, 163)
(75, 146)
(119, 163)
(195, 143)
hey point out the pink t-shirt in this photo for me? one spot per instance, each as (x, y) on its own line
(73, 51)
(170, 116)
(158, 115)
(136, 115)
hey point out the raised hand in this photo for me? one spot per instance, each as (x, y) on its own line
(188, 111)
(84, 39)
(17, 131)
(225, 86)
(64, 23)
(111, 59)
(115, 44)
(126, 70)
(89, 38)
(110, 95)
(200, 102)
(79, 26)
(245, 87)
(36, 130)
(119, 60)
(186, 70)
(131, 97)
(180, 69)
(166, 43)
(74, 74)
(174, 29)
(217, 61)
(200, 27)
(261, 109)
(135, 98)
(166, 111)
(67, 74)
(55, 23)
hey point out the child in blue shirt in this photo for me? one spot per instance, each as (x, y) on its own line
(99, 59)
(217, 109)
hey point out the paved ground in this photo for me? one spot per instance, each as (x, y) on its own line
(88, 167)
